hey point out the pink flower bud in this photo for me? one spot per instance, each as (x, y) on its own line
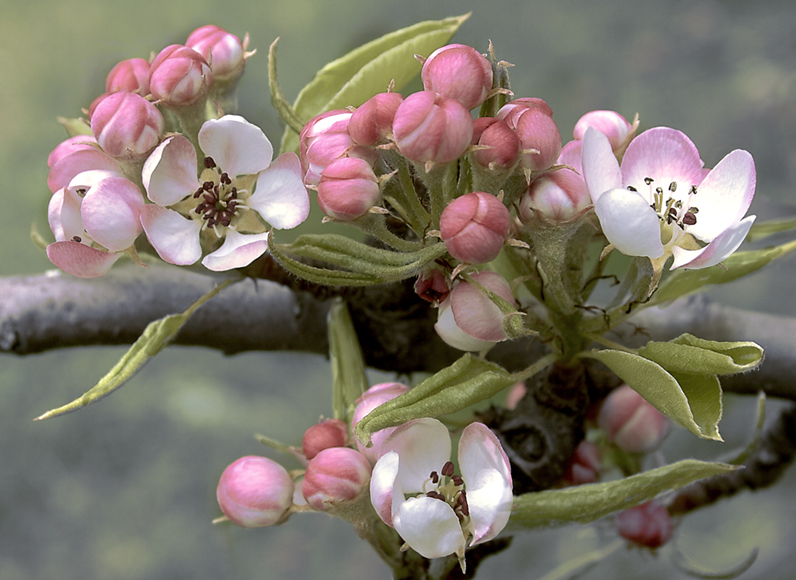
(348, 188)
(631, 423)
(126, 125)
(326, 434)
(503, 143)
(540, 138)
(432, 286)
(458, 72)
(559, 196)
(648, 525)
(255, 492)
(371, 123)
(222, 50)
(586, 464)
(610, 123)
(335, 475)
(474, 227)
(469, 320)
(129, 76)
(179, 77)
(516, 393)
(71, 145)
(370, 399)
(431, 128)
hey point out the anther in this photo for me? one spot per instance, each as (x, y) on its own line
(673, 186)
(434, 477)
(693, 190)
(77, 239)
(689, 219)
(633, 189)
(209, 163)
(447, 469)
(648, 180)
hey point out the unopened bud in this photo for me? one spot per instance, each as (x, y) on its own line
(585, 465)
(474, 227)
(432, 286)
(126, 125)
(610, 123)
(129, 76)
(458, 72)
(501, 142)
(179, 77)
(326, 434)
(559, 196)
(348, 188)
(371, 123)
(335, 475)
(370, 399)
(631, 423)
(648, 525)
(254, 492)
(540, 139)
(223, 51)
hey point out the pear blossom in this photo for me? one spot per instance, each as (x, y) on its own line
(414, 489)
(662, 203)
(224, 210)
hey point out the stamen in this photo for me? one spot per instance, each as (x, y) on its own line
(209, 163)
(648, 180)
(434, 477)
(673, 186)
(447, 469)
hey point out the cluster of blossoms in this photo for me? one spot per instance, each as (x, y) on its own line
(406, 473)
(208, 191)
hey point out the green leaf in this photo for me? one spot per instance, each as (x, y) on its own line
(590, 502)
(349, 380)
(691, 400)
(156, 337)
(75, 127)
(681, 282)
(765, 229)
(467, 381)
(365, 71)
(689, 354)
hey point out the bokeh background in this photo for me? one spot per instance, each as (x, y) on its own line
(125, 489)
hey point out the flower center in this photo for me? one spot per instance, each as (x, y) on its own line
(671, 209)
(218, 197)
(448, 487)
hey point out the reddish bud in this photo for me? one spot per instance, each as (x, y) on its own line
(585, 465)
(648, 525)
(348, 188)
(539, 136)
(335, 475)
(559, 196)
(371, 123)
(631, 423)
(370, 399)
(458, 72)
(126, 125)
(432, 286)
(223, 51)
(474, 227)
(326, 434)
(179, 77)
(129, 76)
(503, 143)
(431, 128)
(254, 492)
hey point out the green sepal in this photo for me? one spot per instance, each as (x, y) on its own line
(358, 263)
(689, 354)
(467, 381)
(681, 282)
(765, 229)
(75, 126)
(156, 337)
(349, 380)
(365, 71)
(278, 100)
(590, 502)
(691, 400)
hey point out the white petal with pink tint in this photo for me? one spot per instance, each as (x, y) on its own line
(80, 260)
(723, 246)
(170, 171)
(280, 197)
(63, 213)
(629, 223)
(237, 146)
(238, 250)
(111, 213)
(175, 238)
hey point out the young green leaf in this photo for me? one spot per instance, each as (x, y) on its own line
(689, 354)
(590, 502)
(764, 229)
(155, 338)
(355, 77)
(691, 400)
(349, 380)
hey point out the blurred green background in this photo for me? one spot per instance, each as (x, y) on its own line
(125, 489)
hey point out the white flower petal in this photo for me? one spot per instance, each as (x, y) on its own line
(724, 195)
(424, 445)
(449, 331)
(111, 212)
(383, 486)
(280, 197)
(430, 527)
(716, 251)
(63, 213)
(237, 146)
(238, 250)
(169, 172)
(600, 167)
(81, 260)
(629, 223)
(175, 238)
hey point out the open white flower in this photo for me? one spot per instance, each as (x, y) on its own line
(238, 191)
(414, 489)
(661, 202)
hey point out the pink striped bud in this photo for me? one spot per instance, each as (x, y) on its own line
(610, 123)
(370, 399)
(371, 123)
(540, 139)
(458, 72)
(631, 423)
(223, 51)
(502, 143)
(474, 227)
(126, 125)
(179, 77)
(430, 128)
(335, 475)
(71, 145)
(254, 492)
(326, 434)
(348, 188)
(559, 196)
(648, 525)
(129, 76)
